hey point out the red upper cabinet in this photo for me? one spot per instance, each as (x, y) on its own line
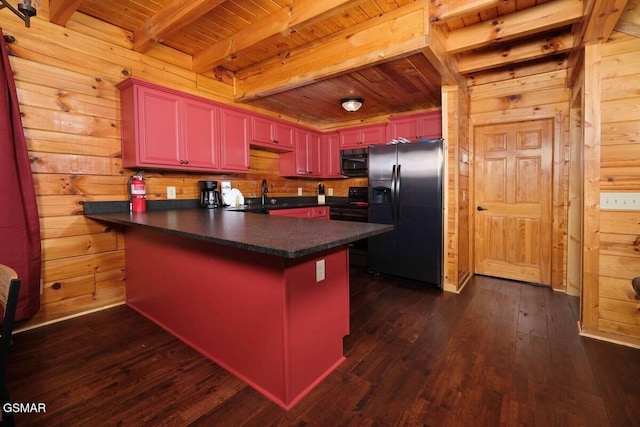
(363, 136)
(200, 142)
(417, 126)
(305, 159)
(330, 155)
(151, 127)
(166, 129)
(235, 127)
(271, 134)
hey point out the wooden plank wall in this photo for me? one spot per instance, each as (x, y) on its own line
(66, 81)
(619, 259)
(458, 258)
(532, 95)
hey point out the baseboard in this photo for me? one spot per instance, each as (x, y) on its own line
(60, 319)
(609, 337)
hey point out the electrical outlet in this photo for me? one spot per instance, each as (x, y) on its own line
(299, 191)
(330, 192)
(171, 192)
(620, 201)
(320, 270)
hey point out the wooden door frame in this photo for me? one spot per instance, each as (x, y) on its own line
(560, 163)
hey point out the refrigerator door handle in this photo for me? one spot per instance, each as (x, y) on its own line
(398, 180)
(393, 193)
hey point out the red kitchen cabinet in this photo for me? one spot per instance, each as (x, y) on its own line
(320, 212)
(234, 139)
(417, 126)
(271, 134)
(166, 129)
(330, 156)
(305, 160)
(199, 144)
(363, 136)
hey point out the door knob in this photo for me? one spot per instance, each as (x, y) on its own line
(480, 208)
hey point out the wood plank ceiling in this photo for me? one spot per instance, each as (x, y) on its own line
(298, 58)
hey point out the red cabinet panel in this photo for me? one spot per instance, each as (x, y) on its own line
(166, 129)
(362, 136)
(157, 122)
(330, 156)
(320, 212)
(417, 126)
(234, 139)
(200, 142)
(271, 134)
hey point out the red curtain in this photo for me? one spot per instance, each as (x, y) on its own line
(19, 223)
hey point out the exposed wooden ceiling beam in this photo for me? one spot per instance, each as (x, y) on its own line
(444, 11)
(525, 51)
(435, 52)
(603, 19)
(302, 12)
(177, 14)
(529, 21)
(60, 11)
(629, 22)
(397, 33)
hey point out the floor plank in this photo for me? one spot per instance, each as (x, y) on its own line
(501, 353)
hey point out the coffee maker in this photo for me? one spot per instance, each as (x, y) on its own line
(209, 195)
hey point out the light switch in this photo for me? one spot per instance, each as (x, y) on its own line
(299, 191)
(620, 201)
(330, 191)
(320, 270)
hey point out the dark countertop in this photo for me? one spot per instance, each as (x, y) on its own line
(275, 235)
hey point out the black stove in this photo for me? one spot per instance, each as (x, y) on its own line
(356, 209)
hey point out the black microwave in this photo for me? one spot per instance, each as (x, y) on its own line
(355, 162)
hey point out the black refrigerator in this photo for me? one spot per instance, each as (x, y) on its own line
(405, 189)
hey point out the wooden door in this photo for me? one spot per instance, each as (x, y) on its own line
(513, 188)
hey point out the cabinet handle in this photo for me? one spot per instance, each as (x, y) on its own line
(275, 141)
(182, 162)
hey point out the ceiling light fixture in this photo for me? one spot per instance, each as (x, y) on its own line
(25, 11)
(352, 104)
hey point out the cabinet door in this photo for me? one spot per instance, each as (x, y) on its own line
(273, 135)
(158, 128)
(430, 125)
(330, 156)
(200, 135)
(295, 212)
(320, 213)
(350, 138)
(362, 136)
(261, 130)
(417, 127)
(373, 135)
(285, 136)
(307, 153)
(406, 127)
(303, 140)
(234, 140)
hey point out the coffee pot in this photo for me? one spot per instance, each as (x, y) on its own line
(209, 194)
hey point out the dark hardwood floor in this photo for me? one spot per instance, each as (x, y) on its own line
(501, 353)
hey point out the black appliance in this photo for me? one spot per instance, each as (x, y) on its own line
(354, 162)
(405, 189)
(354, 209)
(209, 195)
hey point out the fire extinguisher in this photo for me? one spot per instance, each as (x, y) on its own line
(137, 193)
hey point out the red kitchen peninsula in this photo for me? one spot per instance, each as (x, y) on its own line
(265, 297)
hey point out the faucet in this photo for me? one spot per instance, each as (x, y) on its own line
(265, 190)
